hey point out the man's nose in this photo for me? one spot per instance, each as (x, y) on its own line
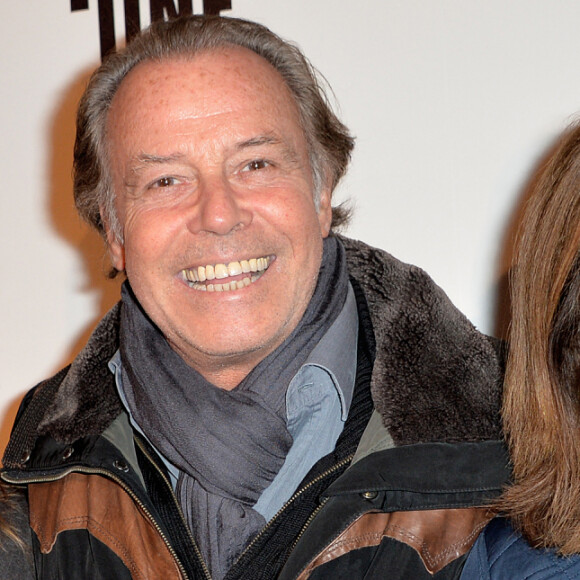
(220, 208)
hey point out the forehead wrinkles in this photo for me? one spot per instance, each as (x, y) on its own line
(215, 81)
(238, 82)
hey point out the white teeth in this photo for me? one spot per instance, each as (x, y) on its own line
(234, 268)
(236, 285)
(221, 271)
(254, 266)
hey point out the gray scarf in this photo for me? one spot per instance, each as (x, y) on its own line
(228, 445)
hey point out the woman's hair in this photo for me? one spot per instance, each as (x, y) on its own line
(541, 406)
(8, 507)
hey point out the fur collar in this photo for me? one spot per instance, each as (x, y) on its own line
(435, 377)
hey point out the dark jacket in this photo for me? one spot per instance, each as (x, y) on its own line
(502, 554)
(401, 496)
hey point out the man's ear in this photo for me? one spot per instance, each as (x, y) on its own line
(325, 210)
(115, 247)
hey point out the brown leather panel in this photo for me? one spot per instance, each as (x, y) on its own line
(100, 506)
(439, 536)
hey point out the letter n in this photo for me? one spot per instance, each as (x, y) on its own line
(162, 9)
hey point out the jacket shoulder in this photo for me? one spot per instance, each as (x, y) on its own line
(76, 401)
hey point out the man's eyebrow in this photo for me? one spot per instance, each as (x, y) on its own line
(148, 159)
(288, 151)
(260, 140)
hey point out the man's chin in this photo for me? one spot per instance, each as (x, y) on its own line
(216, 358)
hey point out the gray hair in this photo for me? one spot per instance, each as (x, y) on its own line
(329, 142)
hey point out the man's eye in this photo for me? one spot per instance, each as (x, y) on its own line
(164, 182)
(256, 164)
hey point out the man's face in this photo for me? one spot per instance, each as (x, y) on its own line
(212, 178)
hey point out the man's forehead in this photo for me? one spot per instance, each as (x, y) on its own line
(228, 87)
(233, 67)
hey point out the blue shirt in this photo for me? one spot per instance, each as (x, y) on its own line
(317, 403)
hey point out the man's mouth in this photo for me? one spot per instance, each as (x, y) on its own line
(226, 277)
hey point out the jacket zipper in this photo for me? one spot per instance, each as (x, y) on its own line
(318, 478)
(179, 510)
(109, 475)
(297, 494)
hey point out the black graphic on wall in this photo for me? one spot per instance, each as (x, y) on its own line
(159, 10)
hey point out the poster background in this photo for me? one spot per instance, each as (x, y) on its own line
(453, 104)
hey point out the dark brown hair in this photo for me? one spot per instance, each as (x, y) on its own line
(330, 144)
(541, 408)
(7, 506)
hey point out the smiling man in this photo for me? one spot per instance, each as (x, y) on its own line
(268, 399)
